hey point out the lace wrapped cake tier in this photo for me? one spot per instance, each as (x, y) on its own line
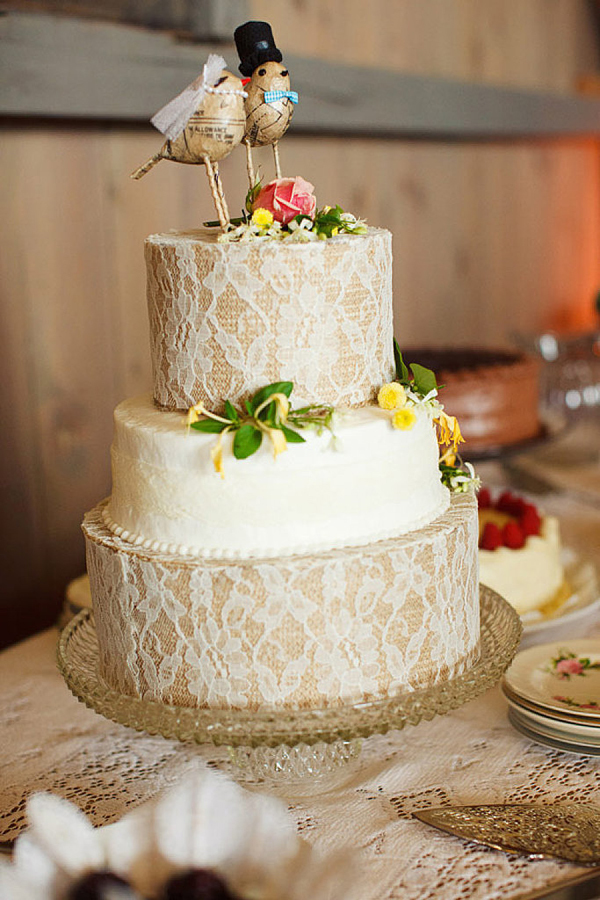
(308, 631)
(226, 319)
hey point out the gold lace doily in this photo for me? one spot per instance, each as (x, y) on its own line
(78, 663)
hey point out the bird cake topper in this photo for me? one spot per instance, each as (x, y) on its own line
(203, 124)
(270, 102)
(218, 111)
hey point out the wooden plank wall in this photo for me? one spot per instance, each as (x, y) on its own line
(489, 238)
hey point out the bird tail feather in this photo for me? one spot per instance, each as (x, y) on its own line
(139, 173)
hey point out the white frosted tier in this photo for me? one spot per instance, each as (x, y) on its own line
(528, 577)
(372, 482)
(226, 319)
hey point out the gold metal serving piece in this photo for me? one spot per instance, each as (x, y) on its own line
(569, 831)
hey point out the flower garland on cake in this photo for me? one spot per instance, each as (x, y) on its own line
(268, 414)
(415, 390)
(286, 209)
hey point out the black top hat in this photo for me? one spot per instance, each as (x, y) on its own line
(255, 45)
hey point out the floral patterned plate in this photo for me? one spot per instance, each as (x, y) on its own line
(559, 679)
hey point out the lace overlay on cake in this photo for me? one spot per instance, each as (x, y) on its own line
(227, 319)
(303, 631)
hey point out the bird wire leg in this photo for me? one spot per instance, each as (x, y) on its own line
(215, 192)
(139, 173)
(249, 164)
(276, 158)
(224, 206)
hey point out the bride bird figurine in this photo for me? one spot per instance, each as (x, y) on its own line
(203, 124)
(270, 102)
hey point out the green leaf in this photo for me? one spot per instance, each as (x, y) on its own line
(231, 413)
(425, 380)
(402, 373)
(209, 426)
(252, 195)
(248, 406)
(247, 440)
(300, 218)
(278, 387)
(291, 436)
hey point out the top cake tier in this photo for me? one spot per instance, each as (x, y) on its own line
(228, 318)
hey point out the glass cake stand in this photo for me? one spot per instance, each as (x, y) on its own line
(305, 739)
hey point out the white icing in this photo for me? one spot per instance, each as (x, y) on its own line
(530, 576)
(372, 482)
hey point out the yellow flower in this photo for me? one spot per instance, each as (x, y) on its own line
(216, 454)
(262, 216)
(457, 437)
(404, 419)
(448, 457)
(193, 414)
(449, 431)
(391, 396)
(278, 440)
(282, 406)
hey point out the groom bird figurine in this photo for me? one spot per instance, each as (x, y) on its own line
(270, 102)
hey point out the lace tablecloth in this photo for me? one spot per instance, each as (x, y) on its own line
(473, 755)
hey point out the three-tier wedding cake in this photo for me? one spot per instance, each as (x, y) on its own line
(340, 571)
(280, 534)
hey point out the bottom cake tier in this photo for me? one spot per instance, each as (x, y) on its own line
(298, 632)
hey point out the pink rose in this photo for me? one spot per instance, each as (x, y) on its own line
(569, 667)
(286, 198)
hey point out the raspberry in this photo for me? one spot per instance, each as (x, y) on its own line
(529, 521)
(512, 536)
(484, 499)
(529, 506)
(491, 537)
(509, 503)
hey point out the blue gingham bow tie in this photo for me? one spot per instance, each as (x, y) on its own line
(272, 96)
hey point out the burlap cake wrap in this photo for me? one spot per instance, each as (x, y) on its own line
(226, 319)
(295, 632)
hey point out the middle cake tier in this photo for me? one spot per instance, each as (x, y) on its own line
(366, 481)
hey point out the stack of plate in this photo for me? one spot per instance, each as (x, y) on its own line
(553, 691)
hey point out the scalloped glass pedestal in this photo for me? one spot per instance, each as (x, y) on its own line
(290, 742)
(257, 764)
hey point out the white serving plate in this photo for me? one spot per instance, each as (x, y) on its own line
(558, 741)
(588, 735)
